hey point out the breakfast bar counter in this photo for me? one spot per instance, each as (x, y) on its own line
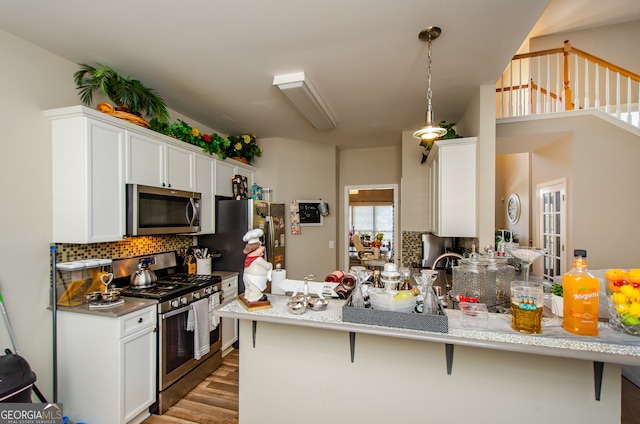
(291, 364)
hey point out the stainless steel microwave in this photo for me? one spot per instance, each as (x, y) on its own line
(155, 210)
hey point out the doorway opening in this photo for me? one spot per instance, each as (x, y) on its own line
(370, 211)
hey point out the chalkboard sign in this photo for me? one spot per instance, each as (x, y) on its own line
(309, 214)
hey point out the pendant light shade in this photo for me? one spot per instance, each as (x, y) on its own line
(430, 131)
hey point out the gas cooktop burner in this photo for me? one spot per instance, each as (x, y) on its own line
(172, 286)
(191, 279)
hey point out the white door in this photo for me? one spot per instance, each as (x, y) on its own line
(552, 201)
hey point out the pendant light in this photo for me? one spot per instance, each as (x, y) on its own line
(429, 132)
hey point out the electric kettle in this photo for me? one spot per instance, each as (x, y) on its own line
(144, 276)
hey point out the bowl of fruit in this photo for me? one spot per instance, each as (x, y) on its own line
(623, 292)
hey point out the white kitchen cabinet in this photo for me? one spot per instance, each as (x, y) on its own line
(225, 172)
(87, 178)
(150, 161)
(452, 187)
(94, 156)
(245, 171)
(107, 365)
(229, 326)
(205, 176)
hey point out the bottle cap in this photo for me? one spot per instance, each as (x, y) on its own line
(580, 252)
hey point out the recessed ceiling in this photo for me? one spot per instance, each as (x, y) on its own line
(215, 61)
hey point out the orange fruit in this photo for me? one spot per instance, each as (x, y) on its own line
(618, 274)
(634, 275)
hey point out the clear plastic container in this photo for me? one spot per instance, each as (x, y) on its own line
(476, 279)
(474, 315)
(77, 278)
(505, 274)
(71, 283)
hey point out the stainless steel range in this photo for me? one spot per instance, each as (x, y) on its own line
(178, 371)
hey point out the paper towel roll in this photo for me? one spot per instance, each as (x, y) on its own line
(277, 277)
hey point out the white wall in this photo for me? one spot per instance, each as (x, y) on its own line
(479, 121)
(614, 43)
(379, 165)
(602, 189)
(298, 170)
(513, 176)
(414, 186)
(31, 80)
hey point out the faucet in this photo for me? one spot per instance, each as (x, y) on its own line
(450, 257)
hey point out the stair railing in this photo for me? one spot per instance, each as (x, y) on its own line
(564, 79)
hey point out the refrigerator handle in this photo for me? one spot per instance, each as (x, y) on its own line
(270, 240)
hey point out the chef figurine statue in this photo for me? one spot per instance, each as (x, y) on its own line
(257, 271)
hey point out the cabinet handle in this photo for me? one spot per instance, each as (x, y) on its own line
(163, 185)
(169, 185)
(139, 320)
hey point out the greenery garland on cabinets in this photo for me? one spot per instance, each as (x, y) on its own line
(133, 99)
(238, 147)
(451, 133)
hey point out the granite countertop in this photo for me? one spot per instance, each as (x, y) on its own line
(131, 304)
(609, 346)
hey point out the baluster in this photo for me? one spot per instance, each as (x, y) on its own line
(587, 102)
(547, 104)
(577, 84)
(520, 96)
(538, 99)
(618, 95)
(511, 90)
(596, 101)
(638, 103)
(558, 101)
(628, 100)
(528, 110)
(502, 95)
(607, 95)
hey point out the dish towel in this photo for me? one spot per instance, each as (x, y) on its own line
(198, 322)
(214, 320)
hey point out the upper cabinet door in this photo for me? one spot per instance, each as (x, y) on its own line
(87, 179)
(179, 168)
(205, 184)
(224, 173)
(452, 170)
(154, 163)
(145, 160)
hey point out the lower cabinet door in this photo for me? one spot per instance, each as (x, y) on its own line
(229, 332)
(138, 353)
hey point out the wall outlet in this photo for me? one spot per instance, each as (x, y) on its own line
(331, 244)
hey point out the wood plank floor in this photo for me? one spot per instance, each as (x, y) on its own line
(214, 401)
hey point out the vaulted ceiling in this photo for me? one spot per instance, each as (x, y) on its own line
(214, 61)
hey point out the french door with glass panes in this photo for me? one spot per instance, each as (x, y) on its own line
(552, 209)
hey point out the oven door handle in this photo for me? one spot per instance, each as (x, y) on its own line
(176, 312)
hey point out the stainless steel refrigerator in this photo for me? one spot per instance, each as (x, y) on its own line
(233, 219)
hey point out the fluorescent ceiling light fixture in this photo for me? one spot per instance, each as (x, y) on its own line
(306, 99)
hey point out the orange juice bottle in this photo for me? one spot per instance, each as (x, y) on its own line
(581, 292)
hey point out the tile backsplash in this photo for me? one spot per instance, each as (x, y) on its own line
(129, 247)
(412, 247)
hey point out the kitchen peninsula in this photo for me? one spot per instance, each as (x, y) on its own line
(317, 367)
